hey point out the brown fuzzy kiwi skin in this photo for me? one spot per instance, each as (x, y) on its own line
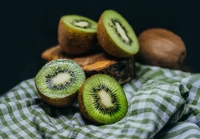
(73, 41)
(161, 47)
(107, 43)
(58, 102)
(82, 106)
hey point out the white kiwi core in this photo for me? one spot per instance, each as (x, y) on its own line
(81, 24)
(105, 98)
(61, 78)
(122, 32)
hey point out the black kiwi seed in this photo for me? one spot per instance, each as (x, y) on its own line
(102, 99)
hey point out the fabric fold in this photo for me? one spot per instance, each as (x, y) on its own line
(163, 103)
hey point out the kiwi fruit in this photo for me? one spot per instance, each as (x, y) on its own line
(116, 36)
(58, 82)
(161, 47)
(102, 100)
(76, 34)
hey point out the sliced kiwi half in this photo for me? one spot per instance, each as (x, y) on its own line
(58, 82)
(116, 36)
(76, 34)
(102, 99)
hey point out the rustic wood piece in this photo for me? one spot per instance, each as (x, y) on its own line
(123, 70)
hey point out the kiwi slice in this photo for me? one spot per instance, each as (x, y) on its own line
(116, 36)
(76, 34)
(102, 99)
(58, 82)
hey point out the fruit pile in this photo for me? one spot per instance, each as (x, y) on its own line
(95, 78)
(77, 34)
(93, 60)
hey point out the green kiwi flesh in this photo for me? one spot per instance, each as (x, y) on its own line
(80, 23)
(116, 36)
(58, 81)
(102, 99)
(76, 34)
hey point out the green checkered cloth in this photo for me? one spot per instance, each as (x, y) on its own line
(163, 103)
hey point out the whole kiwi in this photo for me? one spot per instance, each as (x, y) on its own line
(161, 47)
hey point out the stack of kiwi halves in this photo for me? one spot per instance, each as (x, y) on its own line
(101, 97)
(77, 34)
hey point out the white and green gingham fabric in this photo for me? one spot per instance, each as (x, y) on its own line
(163, 103)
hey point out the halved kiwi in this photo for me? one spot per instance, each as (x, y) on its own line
(58, 82)
(76, 34)
(116, 35)
(102, 99)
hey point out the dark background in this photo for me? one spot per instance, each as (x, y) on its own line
(28, 28)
